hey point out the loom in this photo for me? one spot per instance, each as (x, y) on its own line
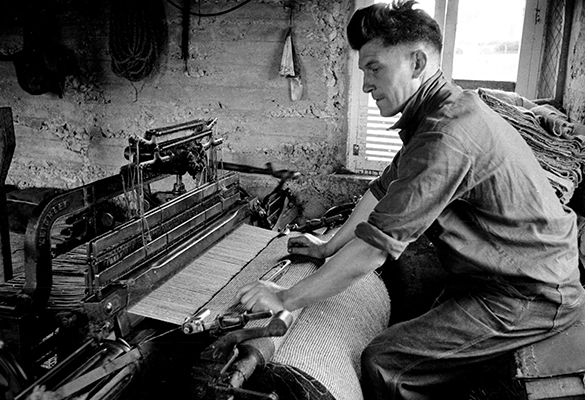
(112, 271)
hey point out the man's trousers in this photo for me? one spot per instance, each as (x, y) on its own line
(457, 338)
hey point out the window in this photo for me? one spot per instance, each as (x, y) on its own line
(483, 47)
(487, 40)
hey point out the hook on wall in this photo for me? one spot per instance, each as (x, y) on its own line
(293, 5)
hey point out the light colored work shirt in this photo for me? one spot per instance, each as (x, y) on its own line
(467, 179)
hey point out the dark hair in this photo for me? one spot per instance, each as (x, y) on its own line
(393, 24)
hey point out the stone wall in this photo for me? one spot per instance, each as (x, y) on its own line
(232, 73)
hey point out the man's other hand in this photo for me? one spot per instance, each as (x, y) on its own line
(261, 296)
(308, 245)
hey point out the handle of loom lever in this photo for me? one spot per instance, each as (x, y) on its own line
(253, 354)
(223, 348)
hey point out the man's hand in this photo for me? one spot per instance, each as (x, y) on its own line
(261, 296)
(308, 245)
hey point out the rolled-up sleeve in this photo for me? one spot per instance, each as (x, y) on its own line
(431, 172)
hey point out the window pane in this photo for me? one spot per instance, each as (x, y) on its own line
(487, 42)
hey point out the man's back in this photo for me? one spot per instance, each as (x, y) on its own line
(506, 219)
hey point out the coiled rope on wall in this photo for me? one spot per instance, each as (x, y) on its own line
(209, 14)
(137, 37)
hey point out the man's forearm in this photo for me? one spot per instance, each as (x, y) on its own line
(350, 264)
(360, 213)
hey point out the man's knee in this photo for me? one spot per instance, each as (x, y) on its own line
(368, 361)
(379, 377)
(371, 381)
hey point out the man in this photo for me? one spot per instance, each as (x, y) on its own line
(466, 179)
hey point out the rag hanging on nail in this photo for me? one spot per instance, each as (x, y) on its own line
(289, 67)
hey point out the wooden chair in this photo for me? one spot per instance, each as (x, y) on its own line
(555, 367)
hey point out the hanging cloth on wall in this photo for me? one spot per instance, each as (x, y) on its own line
(289, 65)
(43, 63)
(186, 23)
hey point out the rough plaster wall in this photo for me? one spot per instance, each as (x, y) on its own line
(232, 75)
(574, 96)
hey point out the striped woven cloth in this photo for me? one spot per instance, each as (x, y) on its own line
(329, 337)
(555, 142)
(322, 349)
(319, 357)
(326, 340)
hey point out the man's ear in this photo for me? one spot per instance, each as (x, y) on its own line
(419, 59)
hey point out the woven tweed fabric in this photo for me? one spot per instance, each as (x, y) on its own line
(326, 339)
(329, 337)
(560, 154)
(211, 279)
(325, 342)
(224, 301)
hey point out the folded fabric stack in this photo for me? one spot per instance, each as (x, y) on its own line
(558, 144)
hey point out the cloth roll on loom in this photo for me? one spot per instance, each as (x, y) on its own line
(319, 357)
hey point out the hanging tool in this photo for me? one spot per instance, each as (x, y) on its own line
(186, 30)
(289, 65)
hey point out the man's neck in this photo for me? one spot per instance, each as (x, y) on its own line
(429, 72)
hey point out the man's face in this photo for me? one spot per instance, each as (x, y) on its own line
(388, 75)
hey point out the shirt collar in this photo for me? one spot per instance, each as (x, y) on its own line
(424, 99)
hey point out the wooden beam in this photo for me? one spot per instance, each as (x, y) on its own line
(564, 56)
(449, 34)
(531, 48)
(7, 145)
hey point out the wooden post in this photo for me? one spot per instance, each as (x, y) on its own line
(7, 145)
